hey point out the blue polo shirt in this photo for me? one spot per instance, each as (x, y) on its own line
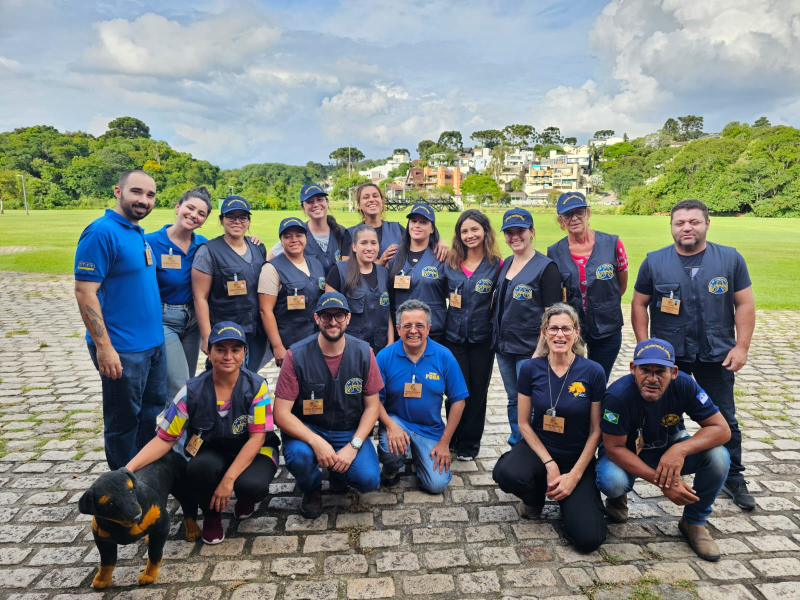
(111, 251)
(439, 374)
(175, 285)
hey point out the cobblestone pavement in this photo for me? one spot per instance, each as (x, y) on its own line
(466, 543)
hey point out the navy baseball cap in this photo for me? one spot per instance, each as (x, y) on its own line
(227, 330)
(517, 217)
(332, 300)
(569, 201)
(424, 210)
(291, 222)
(234, 203)
(654, 352)
(312, 189)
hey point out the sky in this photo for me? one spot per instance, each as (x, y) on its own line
(237, 82)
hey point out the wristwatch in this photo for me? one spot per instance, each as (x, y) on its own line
(356, 443)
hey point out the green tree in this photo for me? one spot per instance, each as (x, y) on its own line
(482, 187)
(515, 185)
(572, 141)
(552, 198)
(622, 180)
(400, 170)
(127, 127)
(616, 151)
(424, 146)
(604, 133)
(519, 135)
(488, 137)
(344, 155)
(671, 128)
(344, 183)
(551, 136)
(451, 139)
(401, 151)
(762, 122)
(691, 127)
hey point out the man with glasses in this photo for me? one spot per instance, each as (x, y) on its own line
(642, 438)
(326, 404)
(418, 372)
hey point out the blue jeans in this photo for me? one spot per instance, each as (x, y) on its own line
(509, 365)
(604, 351)
(182, 339)
(132, 402)
(709, 466)
(364, 472)
(420, 449)
(256, 348)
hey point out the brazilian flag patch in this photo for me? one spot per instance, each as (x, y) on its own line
(611, 417)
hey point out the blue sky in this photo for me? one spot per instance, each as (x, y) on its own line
(237, 82)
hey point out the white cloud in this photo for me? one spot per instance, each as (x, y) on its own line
(9, 63)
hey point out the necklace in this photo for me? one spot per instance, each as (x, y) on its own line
(552, 410)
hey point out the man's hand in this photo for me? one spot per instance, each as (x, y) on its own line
(680, 493)
(344, 458)
(204, 345)
(562, 486)
(736, 359)
(279, 352)
(669, 467)
(108, 362)
(397, 438)
(257, 241)
(326, 455)
(441, 457)
(222, 496)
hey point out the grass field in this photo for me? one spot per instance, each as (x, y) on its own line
(769, 245)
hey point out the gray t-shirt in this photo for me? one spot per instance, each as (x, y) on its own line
(203, 263)
(322, 241)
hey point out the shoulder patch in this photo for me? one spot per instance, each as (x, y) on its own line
(611, 417)
(702, 397)
(85, 266)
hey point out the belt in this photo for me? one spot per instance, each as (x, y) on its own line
(187, 307)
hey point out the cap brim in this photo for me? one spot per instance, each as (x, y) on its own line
(653, 361)
(222, 339)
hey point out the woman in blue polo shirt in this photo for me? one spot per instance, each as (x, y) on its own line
(174, 247)
(527, 284)
(560, 394)
(416, 272)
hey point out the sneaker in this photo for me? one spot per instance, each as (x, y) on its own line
(311, 506)
(242, 509)
(526, 511)
(213, 532)
(739, 493)
(617, 509)
(338, 485)
(700, 540)
(389, 478)
(464, 457)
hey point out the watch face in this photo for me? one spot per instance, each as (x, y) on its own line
(356, 442)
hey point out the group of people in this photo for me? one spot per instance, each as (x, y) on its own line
(381, 323)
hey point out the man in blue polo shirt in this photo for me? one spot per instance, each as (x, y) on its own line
(119, 302)
(417, 373)
(642, 437)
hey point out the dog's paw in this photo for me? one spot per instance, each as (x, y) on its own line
(192, 530)
(103, 578)
(149, 574)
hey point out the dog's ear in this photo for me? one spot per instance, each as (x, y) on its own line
(86, 504)
(130, 475)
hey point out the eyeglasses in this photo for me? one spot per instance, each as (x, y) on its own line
(326, 317)
(315, 199)
(417, 326)
(233, 218)
(566, 330)
(578, 213)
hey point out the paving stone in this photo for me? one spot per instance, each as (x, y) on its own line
(534, 531)
(455, 514)
(465, 496)
(624, 552)
(488, 514)
(576, 577)
(671, 549)
(772, 543)
(422, 498)
(480, 582)
(788, 590)
(734, 591)
(380, 539)
(274, 544)
(568, 554)
(442, 559)
(17, 578)
(255, 591)
(64, 555)
(617, 573)
(13, 556)
(45, 498)
(179, 572)
(530, 578)
(777, 567)
(56, 535)
(406, 516)
(731, 525)
(312, 590)
(775, 504)
(537, 554)
(379, 498)
(433, 535)
(366, 589)
(69, 577)
(725, 570)
(484, 533)
(365, 519)
(331, 542)
(228, 547)
(428, 585)
(235, 570)
(257, 525)
(14, 533)
(297, 565)
(397, 561)
(199, 593)
(9, 498)
(732, 546)
(774, 522)
(298, 523)
(671, 572)
(344, 564)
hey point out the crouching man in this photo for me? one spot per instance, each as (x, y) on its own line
(643, 437)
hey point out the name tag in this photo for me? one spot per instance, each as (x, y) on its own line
(170, 261)
(193, 445)
(563, 294)
(402, 282)
(148, 256)
(670, 305)
(312, 407)
(296, 302)
(237, 288)
(554, 424)
(412, 390)
(455, 300)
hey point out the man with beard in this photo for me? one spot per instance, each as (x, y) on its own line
(642, 437)
(700, 300)
(326, 404)
(118, 298)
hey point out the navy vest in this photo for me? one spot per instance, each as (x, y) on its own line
(229, 433)
(391, 233)
(523, 308)
(428, 284)
(328, 258)
(471, 322)
(703, 328)
(228, 265)
(603, 316)
(342, 398)
(294, 325)
(369, 308)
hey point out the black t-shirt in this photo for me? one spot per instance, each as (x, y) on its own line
(336, 282)
(413, 257)
(691, 263)
(584, 384)
(625, 411)
(549, 282)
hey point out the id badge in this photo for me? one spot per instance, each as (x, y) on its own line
(193, 445)
(670, 305)
(296, 302)
(148, 256)
(237, 288)
(402, 282)
(455, 300)
(639, 442)
(312, 407)
(554, 424)
(171, 261)
(563, 294)
(412, 390)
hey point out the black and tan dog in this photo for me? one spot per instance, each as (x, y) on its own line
(128, 506)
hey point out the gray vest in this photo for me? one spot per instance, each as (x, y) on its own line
(294, 325)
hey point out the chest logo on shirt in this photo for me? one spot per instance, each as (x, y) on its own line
(385, 299)
(353, 386)
(432, 375)
(605, 272)
(321, 283)
(239, 425)
(337, 256)
(718, 285)
(577, 389)
(430, 272)
(483, 286)
(85, 266)
(611, 417)
(522, 292)
(669, 420)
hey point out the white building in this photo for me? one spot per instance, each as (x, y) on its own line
(382, 171)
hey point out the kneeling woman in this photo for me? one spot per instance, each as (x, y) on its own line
(227, 413)
(560, 393)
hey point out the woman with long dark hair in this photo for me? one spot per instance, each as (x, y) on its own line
(472, 268)
(366, 287)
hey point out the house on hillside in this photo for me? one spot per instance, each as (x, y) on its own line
(427, 179)
(382, 171)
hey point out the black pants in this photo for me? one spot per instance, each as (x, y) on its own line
(604, 351)
(718, 382)
(206, 470)
(439, 338)
(521, 472)
(476, 362)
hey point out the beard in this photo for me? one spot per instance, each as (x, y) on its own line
(127, 208)
(330, 337)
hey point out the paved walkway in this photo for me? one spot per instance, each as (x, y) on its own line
(467, 543)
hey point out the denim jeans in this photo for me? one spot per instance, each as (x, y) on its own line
(256, 349)
(604, 351)
(182, 339)
(132, 402)
(364, 472)
(709, 466)
(509, 365)
(420, 449)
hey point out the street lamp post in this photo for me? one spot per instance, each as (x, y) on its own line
(231, 188)
(24, 193)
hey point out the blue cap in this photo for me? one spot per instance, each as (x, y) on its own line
(312, 189)
(291, 222)
(226, 330)
(654, 352)
(332, 300)
(569, 201)
(420, 208)
(234, 203)
(517, 217)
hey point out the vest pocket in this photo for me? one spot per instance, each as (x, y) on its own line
(357, 302)
(663, 290)
(607, 319)
(721, 339)
(229, 272)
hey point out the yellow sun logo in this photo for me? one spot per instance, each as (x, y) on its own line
(577, 388)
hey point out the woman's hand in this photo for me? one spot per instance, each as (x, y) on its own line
(553, 473)
(562, 486)
(279, 352)
(257, 241)
(387, 255)
(204, 345)
(222, 496)
(442, 249)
